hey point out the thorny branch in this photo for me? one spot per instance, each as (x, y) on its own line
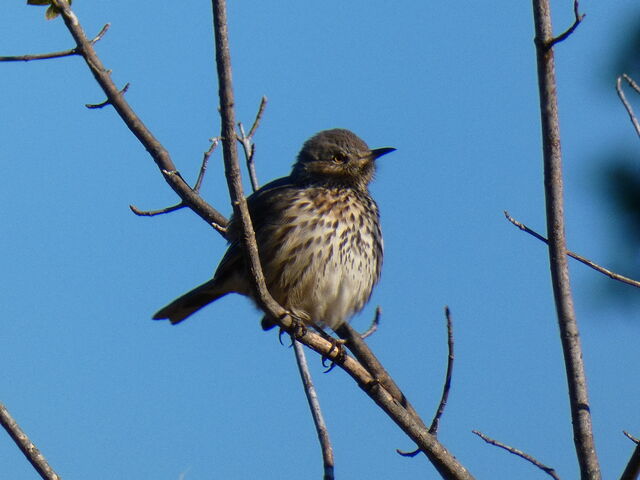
(580, 258)
(625, 102)
(548, 470)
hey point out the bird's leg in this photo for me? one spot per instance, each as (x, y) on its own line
(336, 344)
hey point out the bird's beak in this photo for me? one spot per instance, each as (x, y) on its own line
(378, 152)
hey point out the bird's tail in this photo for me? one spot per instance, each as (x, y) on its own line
(190, 302)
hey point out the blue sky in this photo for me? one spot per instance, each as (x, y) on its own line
(107, 393)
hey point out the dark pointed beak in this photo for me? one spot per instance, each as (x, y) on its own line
(378, 152)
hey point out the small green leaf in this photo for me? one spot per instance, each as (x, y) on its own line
(51, 13)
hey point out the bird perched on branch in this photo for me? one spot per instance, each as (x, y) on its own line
(318, 236)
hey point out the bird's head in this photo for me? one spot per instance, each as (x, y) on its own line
(337, 157)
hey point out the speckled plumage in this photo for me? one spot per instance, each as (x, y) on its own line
(318, 235)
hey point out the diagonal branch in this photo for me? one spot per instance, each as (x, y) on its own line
(580, 258)
(548, 470)
(157, 151)
(553, 186)
(26, 446)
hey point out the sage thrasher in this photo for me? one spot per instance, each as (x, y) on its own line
(318, 235)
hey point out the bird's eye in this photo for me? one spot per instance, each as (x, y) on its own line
(339, 158)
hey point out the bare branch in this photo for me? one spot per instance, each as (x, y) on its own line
(26, 446)
(205, 161)
(157, 151)
(631, 437)
(249, 147)
(107, 102)
(447, 382)
(256, 122)
(47, 56)
(316, 412)
(571, 29)
(589, 263)
(553, 186)
(445, 389)
(153, 213)
(632, 470)
(548, 470)
(374, 324)
(625, 102)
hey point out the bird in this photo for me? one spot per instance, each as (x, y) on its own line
(318, 236)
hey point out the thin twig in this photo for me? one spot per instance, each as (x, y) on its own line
(46, 56)
(246, 140)
(445, 389)
(625, 102)
(631, 437)
(374, 323)
(316, 412)
(153, 213)
(26, 446)
(632, 470)
(580, 258)
(558, 263)
(93, 106)
(548, 470)
(256, 122)
(447, 382)
(205, 161)
(571, 29)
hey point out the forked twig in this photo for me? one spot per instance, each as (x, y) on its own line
(196, 188)
(588, 263)
(571, 29)
(249, 148)
(46, 56)
(625, 102)
(548, 470)
(93, 106)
